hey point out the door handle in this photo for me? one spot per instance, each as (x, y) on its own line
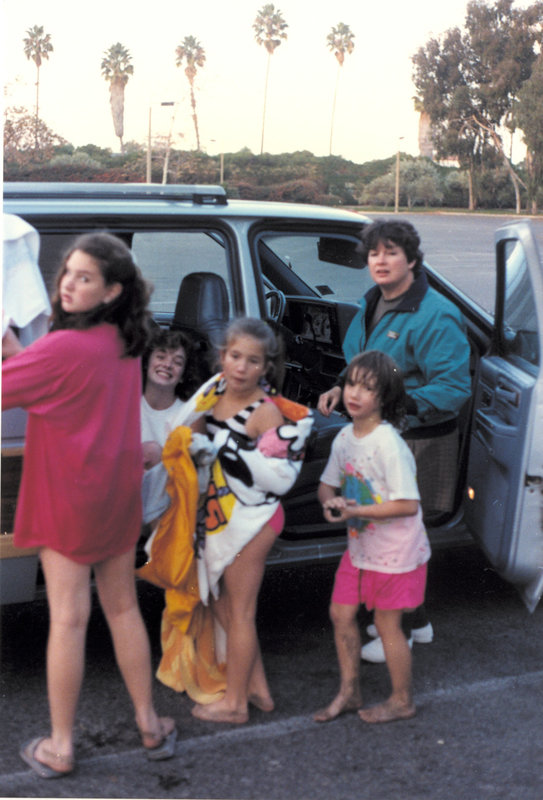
(508, 396)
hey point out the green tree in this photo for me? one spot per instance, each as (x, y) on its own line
(380, 191)
(340, 41)
(441, 80)
(193, 53)
(21, 131)
(467, 82)
(529, 116)
(270, 28)
(37, 46)
(420, 183)
(455, 187)
(116, 69)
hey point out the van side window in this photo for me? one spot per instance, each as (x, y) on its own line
(166, 257)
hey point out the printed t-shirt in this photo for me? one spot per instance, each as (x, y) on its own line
(373, 469)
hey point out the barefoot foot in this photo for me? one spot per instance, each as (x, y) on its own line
(389, 711)
(340, 705)
(217, 713)
(262, 703)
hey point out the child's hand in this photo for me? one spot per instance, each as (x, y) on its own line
(10, 344)
(334, 509)
(152, 454)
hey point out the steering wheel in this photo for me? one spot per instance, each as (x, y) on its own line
(277, 304)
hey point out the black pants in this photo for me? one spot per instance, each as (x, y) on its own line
(414, 619)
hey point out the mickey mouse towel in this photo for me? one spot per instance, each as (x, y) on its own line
(188, 558)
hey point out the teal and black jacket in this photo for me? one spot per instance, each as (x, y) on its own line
(426, 336)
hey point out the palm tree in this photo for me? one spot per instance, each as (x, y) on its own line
(193, 53)
(116, 69)
(269, 27)
(340, 41)
(37, 46)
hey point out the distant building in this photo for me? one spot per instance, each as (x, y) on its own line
(426, 148)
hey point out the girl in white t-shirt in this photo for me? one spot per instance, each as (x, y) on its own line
(168, 381)
(370, 484)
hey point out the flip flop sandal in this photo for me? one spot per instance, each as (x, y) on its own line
(164, 749)
(27, 753)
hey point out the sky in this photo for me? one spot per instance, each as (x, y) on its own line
(374, 115)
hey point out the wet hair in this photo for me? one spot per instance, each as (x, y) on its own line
(272, 346)
(128, 311)
(162, 339)
(381, 373)
(399, 232)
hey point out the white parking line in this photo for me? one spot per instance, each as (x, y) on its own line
(286, 727)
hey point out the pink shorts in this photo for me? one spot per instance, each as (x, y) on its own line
(384, 590)
(277, 522)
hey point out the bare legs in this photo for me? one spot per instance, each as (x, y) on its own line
(68, 595)
(117, 592)
(236, 610)
(398, 657)
(347, 639)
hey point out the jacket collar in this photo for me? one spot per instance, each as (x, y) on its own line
(411, 299)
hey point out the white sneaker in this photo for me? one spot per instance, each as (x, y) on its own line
(422, 635)
(375, 652)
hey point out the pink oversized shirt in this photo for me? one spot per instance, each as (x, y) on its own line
(81, 486)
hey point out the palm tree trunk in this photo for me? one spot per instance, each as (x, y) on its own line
(116, 97)
(194, 115)
(265, 102)
(37, 108)
(334, 107)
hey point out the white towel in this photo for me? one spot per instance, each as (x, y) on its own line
(24, 297)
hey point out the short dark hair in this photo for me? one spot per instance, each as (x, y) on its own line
(381, 368)
(401, 232)
(165, 339)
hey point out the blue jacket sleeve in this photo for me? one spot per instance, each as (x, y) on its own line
(441, 352)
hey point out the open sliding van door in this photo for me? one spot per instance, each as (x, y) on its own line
(504, 487)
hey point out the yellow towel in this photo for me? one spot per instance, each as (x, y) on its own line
(188, 652)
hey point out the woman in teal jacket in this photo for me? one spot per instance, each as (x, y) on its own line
(425, 334)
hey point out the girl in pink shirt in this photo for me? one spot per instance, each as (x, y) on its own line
(370, 484)
(80, 496)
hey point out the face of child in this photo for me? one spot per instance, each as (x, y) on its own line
(82, 286)
(243, 362)
(360, 396)
(166, 367)
(390, 269)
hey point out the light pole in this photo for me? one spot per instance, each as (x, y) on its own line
(397, 187)
(221, 164)
(148, 176)
(168, 144)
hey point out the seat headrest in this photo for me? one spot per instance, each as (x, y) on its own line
(202, 305)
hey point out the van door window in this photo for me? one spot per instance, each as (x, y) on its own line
(327, 265)
(519, 333)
